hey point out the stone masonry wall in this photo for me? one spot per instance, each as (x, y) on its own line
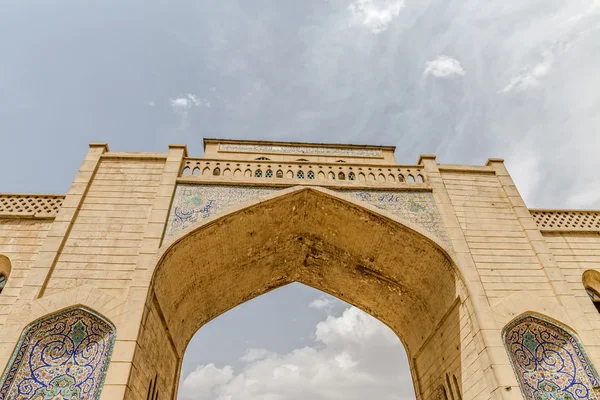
(502, 253)
(20, 241)
(155, 359)
(103, 244)
(575, 253)
(450, 353)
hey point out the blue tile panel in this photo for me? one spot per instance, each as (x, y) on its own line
(549, 361)
(192, 203)
(62, 356)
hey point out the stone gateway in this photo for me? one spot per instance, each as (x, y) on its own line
(101, 289)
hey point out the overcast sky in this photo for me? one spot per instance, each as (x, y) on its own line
(464, 79)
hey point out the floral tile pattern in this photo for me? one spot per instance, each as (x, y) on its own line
(63, 356)
(417, 207)
(549, 362)
(192, 203)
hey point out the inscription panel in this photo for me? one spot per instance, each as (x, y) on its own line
(308, 150)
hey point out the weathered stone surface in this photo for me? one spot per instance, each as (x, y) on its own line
(158, 244)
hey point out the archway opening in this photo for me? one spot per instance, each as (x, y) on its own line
(295, 343)
(5, 269)
(391, 271)
(591, 283)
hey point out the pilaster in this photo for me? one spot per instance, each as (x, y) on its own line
(45, 261)
(493, 358)
(132, 318)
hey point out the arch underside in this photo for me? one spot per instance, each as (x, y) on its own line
(397, 275)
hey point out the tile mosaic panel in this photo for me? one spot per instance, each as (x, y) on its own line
(63, 356)
(417, 207)
(192, 203)
(549, 362)
(317, 151)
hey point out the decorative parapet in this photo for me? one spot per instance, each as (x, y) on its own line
(294, 173)
(567, 220)
(30, 205)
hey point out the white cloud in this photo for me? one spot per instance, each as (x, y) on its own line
(354, 357)
(323, 303)
(443, 67)
(376, 15)
(255, 355)
(150, 104)
(201, 383)
(184, 103)
(531, 77)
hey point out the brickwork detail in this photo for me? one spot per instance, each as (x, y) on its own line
(567, 220)
(39, 205)
(63, 356)
(549, 362)
(308, 150)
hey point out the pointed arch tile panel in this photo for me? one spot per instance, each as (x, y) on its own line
(61, 356)
(549, 361)
(414, 206)
(192, 203)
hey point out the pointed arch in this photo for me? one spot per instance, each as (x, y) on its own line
(322, 245)
(206, 171)
(237, 172)
(361, 177)
(217, 171)
(381, 178)
(321, 175)
(372, 177)
(548, 359)
(290, 174)
(227, 172)
(186, 171)
(81, 342)
(248, 173)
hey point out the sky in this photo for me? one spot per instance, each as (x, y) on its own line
(463, 79)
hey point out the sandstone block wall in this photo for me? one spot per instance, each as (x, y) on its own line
(101, 249)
